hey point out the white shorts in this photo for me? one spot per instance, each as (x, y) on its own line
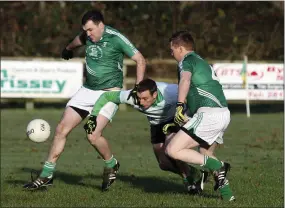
(85, 99)
(209, 124)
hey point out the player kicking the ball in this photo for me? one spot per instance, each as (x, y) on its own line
(105, 48)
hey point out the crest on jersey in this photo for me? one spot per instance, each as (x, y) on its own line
(94, 51)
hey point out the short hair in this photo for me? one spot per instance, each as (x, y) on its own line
(93, 15)
(183, 38)
(147, 84)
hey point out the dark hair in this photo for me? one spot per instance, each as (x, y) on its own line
(183, 38)
(147, 84)
(93, 15)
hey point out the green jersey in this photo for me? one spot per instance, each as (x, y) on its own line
(104, 60)
(205, 89)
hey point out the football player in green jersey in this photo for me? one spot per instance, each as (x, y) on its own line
(105, 48)
(200, 90)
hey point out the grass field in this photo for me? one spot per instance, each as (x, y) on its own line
(254, 147)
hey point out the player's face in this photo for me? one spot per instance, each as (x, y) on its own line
(176, 52)
(146, 99)
(93, 31)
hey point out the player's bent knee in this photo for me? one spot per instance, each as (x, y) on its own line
(170, 152)
(93, 137)
(61, 131)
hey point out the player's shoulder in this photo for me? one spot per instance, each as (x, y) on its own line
(187, 62)
(111, 32)
(169, 91)
(161, 84)
(191, 58)
(164, 86)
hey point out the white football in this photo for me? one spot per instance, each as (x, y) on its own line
(38, 130)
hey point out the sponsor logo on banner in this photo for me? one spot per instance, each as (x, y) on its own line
(265, 81)
(40, 79)
(12, 84)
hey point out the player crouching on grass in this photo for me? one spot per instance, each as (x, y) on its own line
(157, 101)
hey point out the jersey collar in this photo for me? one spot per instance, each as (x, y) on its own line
(187, 54)
(158, 99)
(105, 28)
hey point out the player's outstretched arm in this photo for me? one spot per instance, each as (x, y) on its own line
(112, 96)
(78, 41)
(116, 97)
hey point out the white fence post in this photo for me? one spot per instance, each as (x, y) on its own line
(29, 104)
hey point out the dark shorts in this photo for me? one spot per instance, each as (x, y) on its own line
(157, 135)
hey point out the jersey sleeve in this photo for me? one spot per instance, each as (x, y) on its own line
(126, 46)
(187, 66)
(112, 96)
(124, 97)
(83, 37)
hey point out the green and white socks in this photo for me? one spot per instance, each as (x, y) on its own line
(48, 169)
(111, 162)
(211, 163)
(214, 165)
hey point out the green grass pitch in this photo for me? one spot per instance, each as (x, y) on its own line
(254, 147)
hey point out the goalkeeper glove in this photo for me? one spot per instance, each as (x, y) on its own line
(90, 125)
(67, 54)
(169, 128)
(133, 94)
(180, 118)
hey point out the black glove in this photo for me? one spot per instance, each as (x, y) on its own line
(67, 54)
(180, 118)
(90, 125)
(133, 94)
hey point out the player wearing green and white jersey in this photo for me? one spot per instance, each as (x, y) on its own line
(104, 59)
(105, 49)
(158, 102)
(200, 90)
(205, 89)
(159, 110)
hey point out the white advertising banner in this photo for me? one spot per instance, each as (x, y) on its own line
(265, 81)
(40, 79)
